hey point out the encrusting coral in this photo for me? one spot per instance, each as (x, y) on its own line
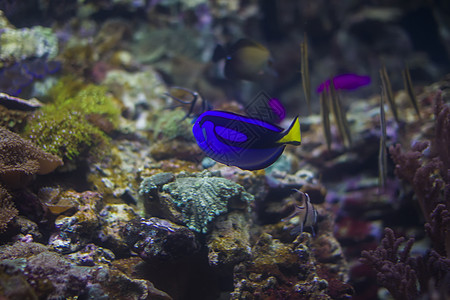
(201, 197)
(20, 158)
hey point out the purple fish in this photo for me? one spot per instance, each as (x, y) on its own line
(345, 82)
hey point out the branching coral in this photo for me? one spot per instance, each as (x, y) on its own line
(20, 158)
(394, 266)
(427, 168)
(429, 175)
(407, 277)
(76, 121)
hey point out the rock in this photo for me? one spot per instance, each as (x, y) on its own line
(159, 239)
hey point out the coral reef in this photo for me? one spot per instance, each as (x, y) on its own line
(174, 137)
(136, 90)
(113, 218)
(19, 159)
(201, 197)
(13, 120)
(74, 232)
(76, 122)
(18, 78)
(30, 270)
(138, 212)
(283, 271)
(229, 243)
(115, 175)
(426, 167)
(394, 268)
(20, 44)
(158, 239)
(7, 209)
(427, 172)
(404, 276)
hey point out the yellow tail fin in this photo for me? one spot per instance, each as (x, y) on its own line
(292, 135)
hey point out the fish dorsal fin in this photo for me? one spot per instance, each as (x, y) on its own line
(292, 135)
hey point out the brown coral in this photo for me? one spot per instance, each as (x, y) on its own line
(20, 158)
(7, 209)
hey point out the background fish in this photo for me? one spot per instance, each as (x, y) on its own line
(245, 60)
(241, 141)
(306, 213)
(194, 102)
(345, 82)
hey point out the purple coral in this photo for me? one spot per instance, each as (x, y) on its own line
(429, 176)
(393, 267)
(426, 168)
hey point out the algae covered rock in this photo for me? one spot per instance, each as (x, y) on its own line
(229, 242)
(76, 122)
(159, 239)
(20, 44)
(173, 137)
(201, 197)
(76, 231)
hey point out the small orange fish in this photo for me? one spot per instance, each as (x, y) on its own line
(307, 214)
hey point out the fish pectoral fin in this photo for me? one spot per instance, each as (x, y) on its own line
(292, 135)
(297, 229)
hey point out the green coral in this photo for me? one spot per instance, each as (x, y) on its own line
(202, 197)
(76, 120)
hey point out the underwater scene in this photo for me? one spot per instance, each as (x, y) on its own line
(241, 149)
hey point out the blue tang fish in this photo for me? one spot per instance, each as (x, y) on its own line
(244, 142)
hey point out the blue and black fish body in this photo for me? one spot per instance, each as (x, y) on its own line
(241, 141)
